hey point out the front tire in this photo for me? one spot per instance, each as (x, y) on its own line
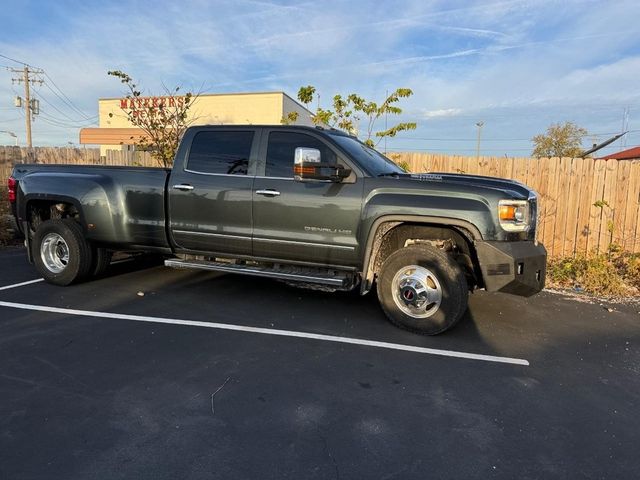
(422, 289)
(60, 252)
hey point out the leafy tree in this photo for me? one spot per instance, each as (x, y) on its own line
(305, 95)
(560, 140)
(346, 113)
(163, 119)
(290, 118)
(373, 112)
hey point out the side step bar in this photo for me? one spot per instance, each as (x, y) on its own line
(338, 281)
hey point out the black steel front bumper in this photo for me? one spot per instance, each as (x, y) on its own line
(512, 267)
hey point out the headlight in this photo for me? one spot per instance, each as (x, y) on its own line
(514, 215)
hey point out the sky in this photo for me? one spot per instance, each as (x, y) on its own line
(515, 65)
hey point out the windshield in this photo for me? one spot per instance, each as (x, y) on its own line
(369, 159)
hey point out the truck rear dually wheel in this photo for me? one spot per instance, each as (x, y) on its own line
(101, 261)
(60, 252)
(422, 289)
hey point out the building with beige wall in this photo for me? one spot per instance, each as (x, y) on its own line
(116, 132)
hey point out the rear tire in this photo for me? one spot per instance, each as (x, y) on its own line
(101, 261)
(422, 289)
(60, 252)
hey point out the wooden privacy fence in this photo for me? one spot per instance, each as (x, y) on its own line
(85, 156)
(9, 156)
(585, 204)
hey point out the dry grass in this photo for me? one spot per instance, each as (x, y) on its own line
(6, 235)
(614, 275)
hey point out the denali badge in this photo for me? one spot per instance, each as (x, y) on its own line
(327, 230)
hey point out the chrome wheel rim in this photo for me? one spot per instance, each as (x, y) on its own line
(54, 253)
(416, 291)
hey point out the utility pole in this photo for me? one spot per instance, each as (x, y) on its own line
(27, 100)
(31, 106)
(479, 125)
(625, 126)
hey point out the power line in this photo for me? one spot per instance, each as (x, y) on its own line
(63, 122)
(52, 105)
(464, 139)
(495, 139)
(44, 99)
(68, 100)
(59, 125)
(515, 110)
(14, 60)
(456, 149)
(470, 149)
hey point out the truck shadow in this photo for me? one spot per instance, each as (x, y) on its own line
(267, 303)
(273, 304)
(123, 263)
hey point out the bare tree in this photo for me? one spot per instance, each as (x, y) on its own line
(163, 119)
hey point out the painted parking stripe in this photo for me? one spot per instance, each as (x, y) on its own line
(269, 331)
(21, 284)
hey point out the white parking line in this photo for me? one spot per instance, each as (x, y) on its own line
(21, 284)
(269, 331)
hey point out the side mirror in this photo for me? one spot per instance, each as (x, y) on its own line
(308, 165)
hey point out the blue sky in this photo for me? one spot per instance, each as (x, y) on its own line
(516, 65)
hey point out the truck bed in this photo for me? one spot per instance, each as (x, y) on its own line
(124, 206)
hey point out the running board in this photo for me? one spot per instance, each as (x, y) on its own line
(339, 281)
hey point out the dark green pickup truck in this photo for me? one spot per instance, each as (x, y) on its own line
(307, 205)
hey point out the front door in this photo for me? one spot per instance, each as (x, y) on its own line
(311, 222)
(210, 194)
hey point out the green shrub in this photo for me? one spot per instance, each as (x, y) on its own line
(629, 265)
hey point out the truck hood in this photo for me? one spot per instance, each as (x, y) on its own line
(513, 188)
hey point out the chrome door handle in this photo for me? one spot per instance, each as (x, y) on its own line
(183, 186)
(268, 192)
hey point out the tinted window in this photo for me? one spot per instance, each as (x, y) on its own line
(281, 152)
(220, 152)
(368, 158)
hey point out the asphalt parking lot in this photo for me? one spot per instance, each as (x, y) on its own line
(250, 378)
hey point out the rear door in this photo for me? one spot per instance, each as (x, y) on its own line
(311, 222)
(210, 190)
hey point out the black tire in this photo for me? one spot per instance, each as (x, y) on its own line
(441, 268)
(79, 253)
(101, 261)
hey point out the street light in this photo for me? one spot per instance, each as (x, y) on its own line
(11, 134)
(479, 125)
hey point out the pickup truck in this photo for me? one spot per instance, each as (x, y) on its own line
(313, 206)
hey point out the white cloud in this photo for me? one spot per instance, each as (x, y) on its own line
(517, 64)
(443, 112)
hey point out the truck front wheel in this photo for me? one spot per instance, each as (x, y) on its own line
(60, 252)
(422, 289)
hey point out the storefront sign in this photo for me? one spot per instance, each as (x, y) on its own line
(143, 106)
